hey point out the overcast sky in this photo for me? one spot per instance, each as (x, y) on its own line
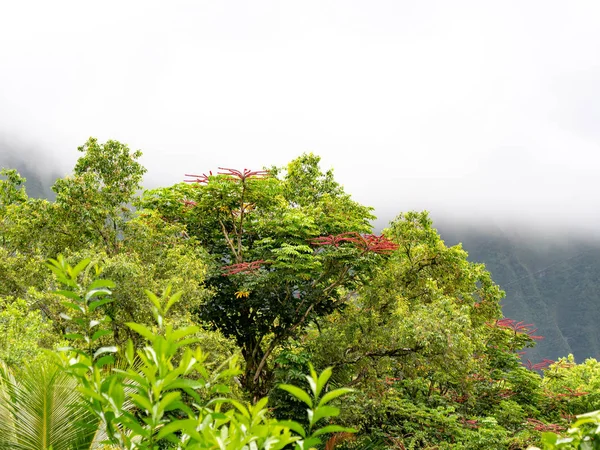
(471, 109)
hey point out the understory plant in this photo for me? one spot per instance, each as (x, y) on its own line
(166, 396)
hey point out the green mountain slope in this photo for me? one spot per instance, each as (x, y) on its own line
(550, 281)
(39, 177)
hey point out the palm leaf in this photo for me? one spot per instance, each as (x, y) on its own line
(40, 408)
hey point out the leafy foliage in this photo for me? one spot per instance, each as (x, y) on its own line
(279, 267)
(144, 404)
(268, 281)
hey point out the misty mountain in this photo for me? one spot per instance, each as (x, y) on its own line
(32, 165)
(552, 281)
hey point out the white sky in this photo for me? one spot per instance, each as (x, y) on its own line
(471, 109)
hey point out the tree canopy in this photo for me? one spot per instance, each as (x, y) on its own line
(278, 266)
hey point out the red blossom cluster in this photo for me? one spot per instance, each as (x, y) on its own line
(519, 327)
(188, 203)
(571, 393)
(469, 423)
(244, 267)
(201, 179)
(245, 174)
(539, 366)
(231, 173)
(506, 393)
(368, 242)
(538, 425)
(460, 398)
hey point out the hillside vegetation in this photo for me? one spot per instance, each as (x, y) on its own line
(168, 318)
(549, 281)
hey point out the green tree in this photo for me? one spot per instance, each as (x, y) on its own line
(95, 202)
(424, 343)
(286, 247)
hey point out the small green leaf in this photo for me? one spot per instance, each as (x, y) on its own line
(102, 350)
(98, 334)
(99, 283)
(79, 267)
(174, 299)
(69, 294)
(322, 381)
(324, 412)
(333, 429)
(142, 330)
(97, 303)
(334, 394)
(104, 360)
(297, 393)
(294, 426)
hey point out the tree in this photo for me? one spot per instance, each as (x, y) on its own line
(93, 217)
(424, 342)
(287, 247)
(95, 203)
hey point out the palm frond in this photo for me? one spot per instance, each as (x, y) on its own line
(40, 407)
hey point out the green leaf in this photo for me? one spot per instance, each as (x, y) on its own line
(69, 294)
(142, 331)
(98, 334)
(101, 283)
(97, 303)
(297, 393)
(181, 332)
(177, 425)
(333, 429)
(154, 299)
(294, 426)
(97, 292)
(104, 360)
(334, 394)
(79, 267)
(141, 402)
(102, 350)
(174, 299)
(324, 412)
(74, 306)
(322, 381)
(168, 399)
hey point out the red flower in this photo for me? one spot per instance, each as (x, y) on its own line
(367, 242)
(189, 203)
(243, 175)
(202, 179)
(244, 267)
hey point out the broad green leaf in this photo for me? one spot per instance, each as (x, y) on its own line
(142, 331)
(97, 303)
(102, 350)
(322, 380)
(297, 393)
(333, 429)
(334, 394)
(323, 412)
(294, 426)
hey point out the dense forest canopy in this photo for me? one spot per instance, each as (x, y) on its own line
(279, 268)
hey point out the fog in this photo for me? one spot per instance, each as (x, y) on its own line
(481, 112)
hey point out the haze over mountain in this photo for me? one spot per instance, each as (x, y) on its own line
(473, 110)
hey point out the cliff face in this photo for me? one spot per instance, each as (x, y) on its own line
(552, 282)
